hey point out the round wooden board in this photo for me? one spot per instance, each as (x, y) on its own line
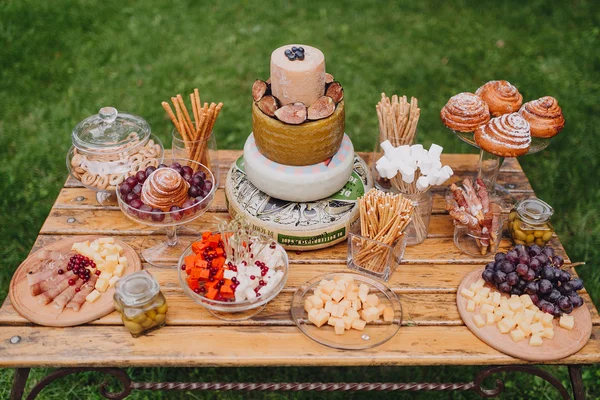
(48, 315)
(563, 344)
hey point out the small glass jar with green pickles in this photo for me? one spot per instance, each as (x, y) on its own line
(140, 302)
(529, 222)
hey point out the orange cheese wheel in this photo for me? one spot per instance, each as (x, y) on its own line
(305, 144)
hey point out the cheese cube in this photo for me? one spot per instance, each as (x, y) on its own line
(93, 296)
(517, 335)
(374, 311)
(333, 320)
(308, 306)
(525, 327)
(347, 322)
(470, 306)
(112, 281)
(496, 299)
(328, 287)
(112, 258)
(506, 325)
(503, 302)
(333, 309)
(567, 322)
(356, 304)
(337, 296)
(515, 304)
(547, 319)
(548, 333)
(351, 288)
(478, 320)
(538, 316)
(498, 311)
(466, 293)
(372, 300)
(316, 301)
(338, 312)
(101, 285)
(348, 279)
(105, 275)
(526, 300)
(388, 314)
(486, 308)
(536, 340)
(536, 327)
(520, 316)
(477, 299)
(345, 304)
(352, 313)
(497, 317)
(105, 240)
(358, 324)
(119, 270)
(489, 319)
(321, 318)
(363, 291)
(508, 313)
(528, 316)
(328, 305)
(351, 296)
(367, 316)
(484, 292)
(123, 260)
(479, 284)
(313, 312)
(119, 249)
(484, 300)
(380, 307)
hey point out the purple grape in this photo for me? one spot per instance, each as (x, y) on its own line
(187, 178)
(188, 170)
(488, 275)
(512, 278)
(576, 300)
(141, 176)
(513, 257)
(205, 193)
(524, 259)
(194, 191)
(558, 261)
(543, 258)
(178, 169)
(564, 276)
(521, 285)
(188, 207)
(544, 286)
(516, 291)
(548, 251)
(534, 298)
(175, 165)
(548, 273)
(522, 269)
(548, 308)
(201, 174)
(534, 250)
(144, 211)
(137, 189)
(125, 188)
(557, 313)
(504, 287)
(136, 203)
(131, 181)
(567, 287)
(564, 303)
(157, 215)
(197, 181)
(535, 264)
(499, 257)
(507, 267)
(530, 275)
(176, 214)
(499, 277)
(130, 197)
(150, 170)
(576, 284)
(553, 295)
(520, 248)
(531, 288)
(207, 186)
(162, 165)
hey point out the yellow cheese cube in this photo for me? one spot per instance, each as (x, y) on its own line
(538, 316)
(536, 327)
(497, 317)
(119, 270)
(321, 318)
(506, 325)
(525, 327)
(517, 335)
(548, 333)
(479, 284)
(478, 320)
(380, 307)
(358, 324)
(515, 304)
(105, 240)
(466, 293)
(345, 304)
(325, 297)
(536, 340)
(528, 316)
(477, 299)
(486, 308)
(308, 306)
(567, 322)
(112, 257)
(351, 287)
(351, 295)
(489, 318)
(113, 281)
(333, 320)
(328, 305)
(372, 300)
(484, 292)
(105, 275)
(119, 249)
(503, 302)
(356, 304)
(93, 296)
(547, 319)
(352, 313)
(313, 312)
(470, 306)
(328, 287)
(508, 313)
(101, 285)
(388, 314)
(498, 311)
(513, 296)
(526, 300)
(339, 311)
(95, 246)
(520, 316)
(337, 295)
(316, 301)
(496, 297)
(347, 322)
(483, 299)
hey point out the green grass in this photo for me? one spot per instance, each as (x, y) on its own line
(61, 61)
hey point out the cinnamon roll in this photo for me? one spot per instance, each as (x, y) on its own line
(505, 136)
(544, 116)
(501, 97)
(164, 188)
(465, 112)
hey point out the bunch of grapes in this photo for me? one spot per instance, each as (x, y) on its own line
(536, 271)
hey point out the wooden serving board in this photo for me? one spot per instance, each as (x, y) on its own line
(48, 315)
(563, 344)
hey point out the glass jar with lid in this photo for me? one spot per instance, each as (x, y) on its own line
(107, 145)
(140, 302)
(529, 222)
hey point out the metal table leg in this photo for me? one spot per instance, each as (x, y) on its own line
(577, 382)
(19, 382)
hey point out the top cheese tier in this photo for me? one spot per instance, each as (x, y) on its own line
(298, 80)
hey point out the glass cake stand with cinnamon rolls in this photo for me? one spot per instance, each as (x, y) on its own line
(106, 146)
(495, 120)
(167, 197)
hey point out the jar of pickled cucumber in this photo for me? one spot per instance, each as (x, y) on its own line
(140, 302)
(529, 222)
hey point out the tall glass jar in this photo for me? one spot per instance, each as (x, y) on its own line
(140, 302)
(529, 222)
(416, 232)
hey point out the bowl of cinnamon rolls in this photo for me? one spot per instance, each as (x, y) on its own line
(495, 119)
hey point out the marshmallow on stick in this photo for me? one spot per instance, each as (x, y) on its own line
(412, 169)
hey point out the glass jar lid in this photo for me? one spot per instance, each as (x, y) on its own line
(110, 132)
(534, 211)
(136, 289)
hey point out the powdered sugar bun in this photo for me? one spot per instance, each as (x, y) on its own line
(505, 136)
(501, 97)
(465, 112)
(544, 116)
(164, 188)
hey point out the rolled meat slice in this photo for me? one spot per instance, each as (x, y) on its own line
(67, 295)
(49, 283)
(49, 295)
(48, 270)
(80, 296)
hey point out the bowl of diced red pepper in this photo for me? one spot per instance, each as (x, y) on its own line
(227, 290)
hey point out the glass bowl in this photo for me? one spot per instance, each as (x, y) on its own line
(373, 334)
(162, 246)
(233, 311)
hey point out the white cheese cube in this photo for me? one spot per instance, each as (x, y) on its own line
(470, 306)
(489, 318)
(313, 311)
(356, 304)
(506, 325)
(328, 305)
(536, 340)
(363, 291)
(538, 316)
(250, 293)
(351, 296)
(347, 322)
(536, 327)
(496, 298)
(486, 308)
(466, 293)
(105, 275)
(101, 285)
(112, 281)
(105, 240)
(517, 335)
(339, 327)
(308, 307)
(358, 324)
(477, 299)
(547, 319)
(508, 313)
(485, 292)
(526, 300)
(339, 311)
(525, 327)
(388, 314)
(119, 270)
(478, 320)
(479, 284)
(337, 296)
(333, 320)
(520, 316)
(548, 333)
(93, 296)
(567, 322)
(352, 313)
(372, 300)
(316, 301)
(321, 318)
(529, 314)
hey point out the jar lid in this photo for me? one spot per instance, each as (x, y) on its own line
(137, 288)
(110, 132)
(534, 211)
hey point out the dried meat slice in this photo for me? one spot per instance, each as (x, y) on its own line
(49, 295)
(49, 283)
(67, 295)
(80, 296)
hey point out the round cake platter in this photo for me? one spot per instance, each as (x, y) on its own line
(299, 225)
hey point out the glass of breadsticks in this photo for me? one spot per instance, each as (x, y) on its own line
(192, 136)
(398, 119)
(379, 248)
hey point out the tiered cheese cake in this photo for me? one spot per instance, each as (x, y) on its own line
(299, 177)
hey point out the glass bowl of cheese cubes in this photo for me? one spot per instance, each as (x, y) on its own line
(346, 311)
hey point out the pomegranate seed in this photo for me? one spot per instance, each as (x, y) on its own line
(202, 289)
(261, 283)
(263, 272)
(197, 290)
(60, 272)
(245, 263)
(71, 282)
(234, 268)
(257, 263)
(252, 277)
(183, 267)
(98, 272)
(222, 281)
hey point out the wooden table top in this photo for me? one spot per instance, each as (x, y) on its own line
(432, 331)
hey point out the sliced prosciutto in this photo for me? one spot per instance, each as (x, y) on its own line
(67, 295)
(49, 283)
(49, 295)
(48, 270)
(80, 296)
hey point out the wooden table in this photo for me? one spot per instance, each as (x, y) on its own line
(432, 331)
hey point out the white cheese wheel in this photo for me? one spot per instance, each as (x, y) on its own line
(299, 226)
(291, 183)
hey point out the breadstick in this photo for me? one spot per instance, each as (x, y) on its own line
(187, 118)
(169, 111)
(195, 111)
(183, 130)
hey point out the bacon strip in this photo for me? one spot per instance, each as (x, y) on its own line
(80, 296)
